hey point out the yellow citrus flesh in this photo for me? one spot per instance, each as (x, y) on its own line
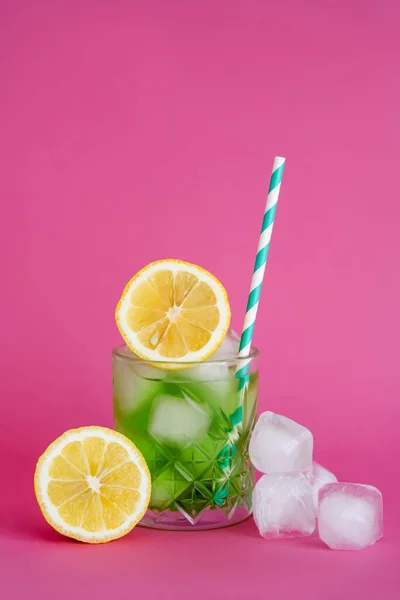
(92, 484)
(174, 311)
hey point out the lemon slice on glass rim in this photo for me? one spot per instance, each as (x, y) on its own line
(174, 311)
(92, 484)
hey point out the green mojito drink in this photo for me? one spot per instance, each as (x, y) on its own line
(193, 426)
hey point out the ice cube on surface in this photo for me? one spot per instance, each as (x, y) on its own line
(350, 515)
(178, 421)
(320, 477)
(283, 506)
(280, 445)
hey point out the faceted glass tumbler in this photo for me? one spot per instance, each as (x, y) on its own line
(192, 422)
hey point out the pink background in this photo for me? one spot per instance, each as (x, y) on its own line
(139, 130)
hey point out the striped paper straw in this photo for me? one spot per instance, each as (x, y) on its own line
(242, 372)
(261, 258)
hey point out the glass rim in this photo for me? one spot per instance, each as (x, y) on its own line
(118, 352)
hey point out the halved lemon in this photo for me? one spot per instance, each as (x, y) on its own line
(173, 310)
(92, 484)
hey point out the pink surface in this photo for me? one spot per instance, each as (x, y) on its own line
(132, 131)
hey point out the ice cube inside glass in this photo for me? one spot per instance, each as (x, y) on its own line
(193, 424)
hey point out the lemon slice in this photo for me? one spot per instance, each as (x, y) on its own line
(175, 311)
(92, 484)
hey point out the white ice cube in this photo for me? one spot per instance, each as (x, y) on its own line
(320, 477)
(178, 421)
(211, 371)
(142, 368)
(283, 506)
(229, 348)
(149, 372)
(280, 445)
(350, 515)
(134, 383)
(208, 373)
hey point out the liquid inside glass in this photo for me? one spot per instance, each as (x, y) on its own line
(193, 426)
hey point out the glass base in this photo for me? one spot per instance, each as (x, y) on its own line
(211, 518)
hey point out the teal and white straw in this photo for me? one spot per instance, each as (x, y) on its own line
(261, 258)
(242, 372)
